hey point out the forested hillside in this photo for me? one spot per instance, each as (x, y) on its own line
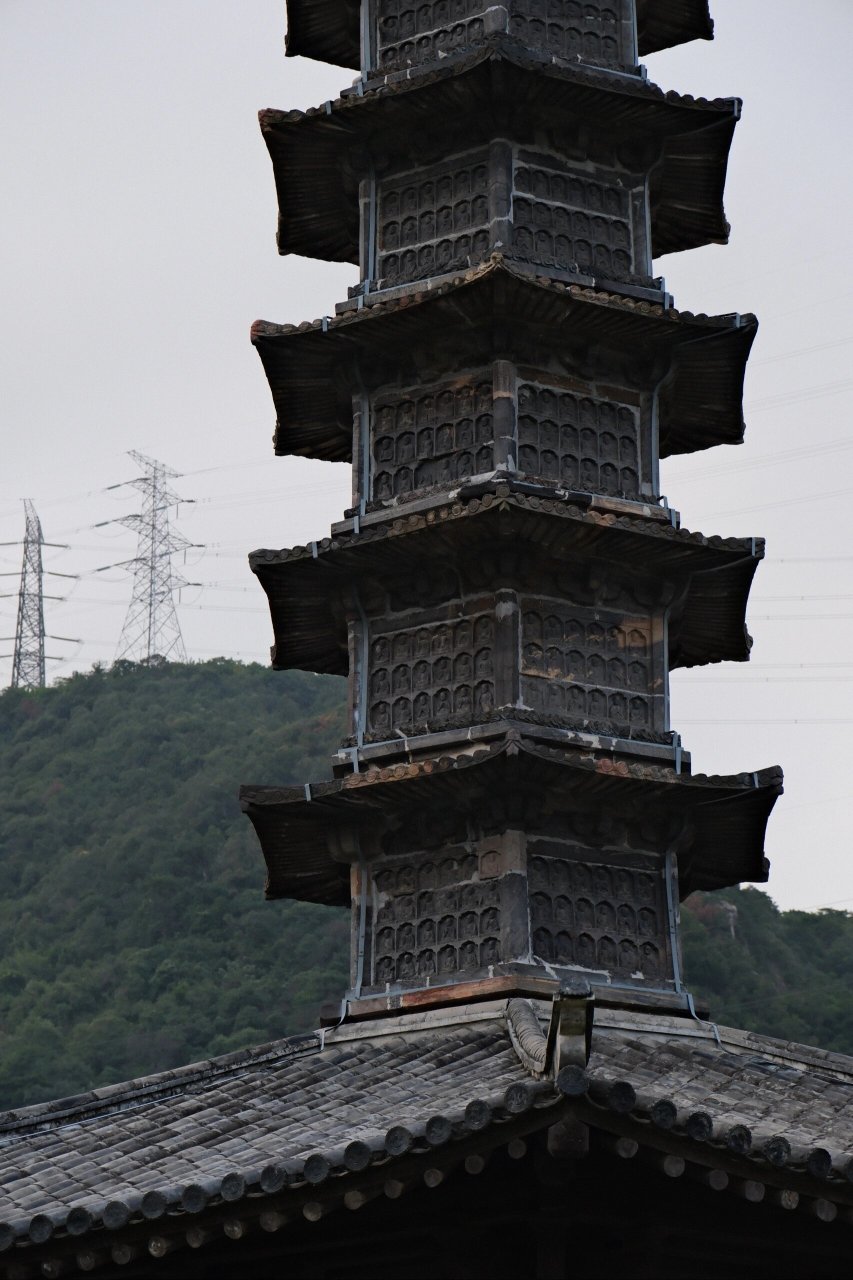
(133, 931)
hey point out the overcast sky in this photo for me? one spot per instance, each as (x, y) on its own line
(139, 244)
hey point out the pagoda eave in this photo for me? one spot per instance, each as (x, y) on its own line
(664, 24)
(310, 151)
(325, 30)
(304, 585)
(700, 404)
(330, 30)
(729, 814)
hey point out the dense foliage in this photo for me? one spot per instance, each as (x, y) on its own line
(784, 973)
(133, 931)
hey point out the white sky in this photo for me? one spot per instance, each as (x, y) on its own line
(138, 245)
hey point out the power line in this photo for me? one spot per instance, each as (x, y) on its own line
(767, 460)
(802, 351)
(783, 502)
(796, 397)
(752, 720)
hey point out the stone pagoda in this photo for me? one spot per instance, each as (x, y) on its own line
(508, 592)
(517, 1083)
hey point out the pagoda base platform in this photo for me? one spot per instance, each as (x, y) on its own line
(531, 985)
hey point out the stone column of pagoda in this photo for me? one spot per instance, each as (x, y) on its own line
(509, 590)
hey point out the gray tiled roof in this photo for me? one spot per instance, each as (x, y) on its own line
(278, 1105)
(292, 1114)
(770, 1087)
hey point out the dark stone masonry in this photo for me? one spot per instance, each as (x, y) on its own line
(517, 1082)
(489, 590)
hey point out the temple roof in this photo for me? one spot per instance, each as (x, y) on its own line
(729, 813)
(317, 154)
(701, 403)
(329, 30)
(305, 584)
(297, 1129)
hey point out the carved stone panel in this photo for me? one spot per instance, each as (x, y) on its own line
(563, 432)
(577, 30)
(441, 913)
(539, 208)
(431, 436)
(435, 918)
(585, 912)
(580, 442)
(447, 910)
(411, 35)
(447, 650)
(431, 675)
(434, 220)
(595, 668)
(574, 220)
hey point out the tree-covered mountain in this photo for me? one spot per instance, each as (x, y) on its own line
(784, 973)
(133, 931)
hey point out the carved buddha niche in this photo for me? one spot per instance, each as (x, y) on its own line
(432, 221)
(596, 669)
(587, 912)
(435, 917)
(431, 437)
(429, 676)
(581, 442)
(413, 35)
(591, 222)
(539, 208)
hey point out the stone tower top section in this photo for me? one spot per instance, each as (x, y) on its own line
(380, 37)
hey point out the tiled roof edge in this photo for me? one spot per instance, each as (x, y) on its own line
(455, 507)
(423, 291)
(312, 1171)
(500, 48)
(768, 779)
(596, 1092)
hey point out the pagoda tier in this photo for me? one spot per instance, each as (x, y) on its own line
(503, 782)
(679, 376)
(608, 34)
(579, 175)
(488, 860)
(569, 585)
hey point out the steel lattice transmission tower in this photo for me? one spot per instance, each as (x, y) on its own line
(28, 659)
(151, 629)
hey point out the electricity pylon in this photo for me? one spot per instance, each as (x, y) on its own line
(28, 658)
(151, 629)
